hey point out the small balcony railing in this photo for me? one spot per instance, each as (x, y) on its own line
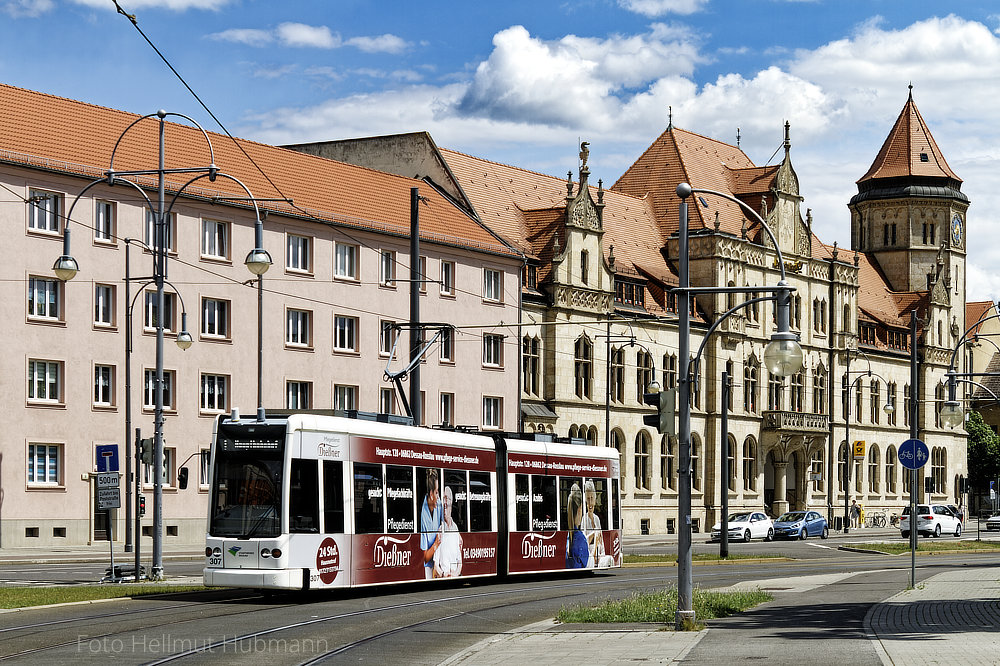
(796, 421)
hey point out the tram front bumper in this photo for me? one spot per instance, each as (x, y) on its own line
(265, 579)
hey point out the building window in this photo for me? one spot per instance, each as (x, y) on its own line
(816, 469)
(298, 253)
(531, 359)
(796, 393)
(387, 401)
(447, 412)
(104, 305)
(617, 380)
(298, 331)
(493, 350)
(668, 473)
(346, 261)
(858, 401)
(215, 239)
(104, 385)
(669, 371)
(447, 345)
(906, 404)
(104, 221)
(642, 480)
(876, 408)
(749, 465)
(859, 469)
(731, 462)
(149, 389)
(345, 397)
(643, 373)
(387, 337)
(169, 462)
(151, 320)
(298, 395)
(695, 456)
(345, 333)
(843, 453)
(44, 464)
(422, 274)
(584, 266)
(492, 285)
(939, 465)
(44, 298)
(170, 231)
(44, 381)
(938, 403)
(531, 276)
(447, 278)
(775, 392)
(214, 318)
(751, 374)
(873, 470)
(214, 393)
(387, 268)
(890, 470)
(819, 390)
(204, 468)
(583, 356)
(492, 412)
(44, 211)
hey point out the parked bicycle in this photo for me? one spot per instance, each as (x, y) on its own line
(876, 519)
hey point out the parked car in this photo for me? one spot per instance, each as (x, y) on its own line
(800, 524)
(932, 519)
(746, 526)
(993, 523)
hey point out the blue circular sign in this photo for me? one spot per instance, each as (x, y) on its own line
(913, 454)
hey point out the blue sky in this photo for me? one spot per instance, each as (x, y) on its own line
(522, 82)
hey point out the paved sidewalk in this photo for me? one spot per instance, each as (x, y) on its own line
(951, 618)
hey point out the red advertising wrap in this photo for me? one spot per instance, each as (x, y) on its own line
(527, 463)
(391, 558)
(421, 454)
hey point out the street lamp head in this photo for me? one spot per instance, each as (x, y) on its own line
(258, 261)
(951, 414)
(653, 387)
(65, 267)
(888, 408)
(684, 190)
(184, 339)
(783, 355)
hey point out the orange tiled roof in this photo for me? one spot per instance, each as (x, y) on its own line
(974, 312)
(909, 150)
(40, 130)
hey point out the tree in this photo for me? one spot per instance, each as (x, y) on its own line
(983, 454)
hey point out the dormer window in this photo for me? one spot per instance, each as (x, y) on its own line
(924, 158)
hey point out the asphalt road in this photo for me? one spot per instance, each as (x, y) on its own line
(426, 623)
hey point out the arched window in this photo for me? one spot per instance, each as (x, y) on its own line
(819, 389)
(890, 470)
(591, 435)
(669, 371)
(890, 399)
(817, 469)
(732, 380)
(751, 374)
(938, 403)
(668, 470)
(617, 380)
(583, 362)
(876, 408)
(873, 470)
(731, 461)
(843, 453)
(572, 431)
(695, 461)
(694, 391)
(749, 464)
(643, 373)
(642, 461)
(906, 404)
(775, 392)
(531, 362)
(859, 469)
(797, 392)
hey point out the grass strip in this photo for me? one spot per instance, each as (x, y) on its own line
(661, 606)
(23, 597)
(925, 546)
(696, 557)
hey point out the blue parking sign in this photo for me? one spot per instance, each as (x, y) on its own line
(107, 457)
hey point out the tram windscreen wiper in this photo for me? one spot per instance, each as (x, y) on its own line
(269, 512)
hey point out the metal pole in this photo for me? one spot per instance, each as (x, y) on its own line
(847, 445)
(685, 608)
(159, 275)
(128, 407)
(138, 518)
(914, 381)
(260, 342)
(607, 392)
(416, 335)
(724, 468)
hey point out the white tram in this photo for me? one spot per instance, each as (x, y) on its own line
(305, 501)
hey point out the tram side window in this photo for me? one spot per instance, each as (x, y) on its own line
(303, 505)
(568, 484)
(399, 498)
(333, 496)
(369, 516)
(544, 511)
(480, 494)
(522, 503)
(613, 501)
(455, 486)
(595, 500)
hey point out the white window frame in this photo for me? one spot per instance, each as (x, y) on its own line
(387, 400)
(169, 469)
(447, 345)
(50, 374)
(447, 278)
(492, 412)
(345, 396)
(51, 458)
(104, 385)
(447, 409)
(105, 218)
(149, 311)
(215, 236)
(422, 274)
(44, 298)
(346, 261)
(298, 253)
(492, 285)
(104, 305)
(214, 393)
(149, 389)
(298, 328)
(150, 226)
(45, 211)
(345, 333)
(204, 468)
(298, 392)
(493, 350)
(386, 336)
(387, 268)
(215, 318)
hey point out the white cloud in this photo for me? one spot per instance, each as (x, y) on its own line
(661, 7)
(381, 44)
(27, 8)
(246, 36)
(300, 34)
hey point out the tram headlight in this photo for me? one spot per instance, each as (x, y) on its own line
(217, 551)
(208, 551)
(276, 553)
(264, 552)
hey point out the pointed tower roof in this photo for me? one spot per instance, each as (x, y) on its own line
(910, 150)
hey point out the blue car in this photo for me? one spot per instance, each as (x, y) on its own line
(800, 524)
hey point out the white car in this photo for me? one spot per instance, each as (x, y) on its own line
(932, 519)
(993, 523)
(746, 526)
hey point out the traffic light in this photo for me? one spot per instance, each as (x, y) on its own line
(146, 450)
(142, 505)
(929, 485)
(665, 403)
(963, 484)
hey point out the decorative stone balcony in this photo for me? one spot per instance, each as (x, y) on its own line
(796, 421)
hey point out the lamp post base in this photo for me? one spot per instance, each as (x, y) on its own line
(684, 620)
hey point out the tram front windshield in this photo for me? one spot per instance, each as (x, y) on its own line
(246, 488)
